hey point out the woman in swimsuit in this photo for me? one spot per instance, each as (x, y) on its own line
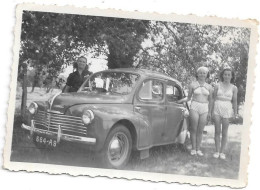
(200, 94)
(225, 107)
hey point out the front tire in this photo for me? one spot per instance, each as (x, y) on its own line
(117, 149)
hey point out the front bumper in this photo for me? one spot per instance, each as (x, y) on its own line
(58, 135)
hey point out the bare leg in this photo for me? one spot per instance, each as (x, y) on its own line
(202, 123)
(225, 125)
(194, 119)
(217, 120)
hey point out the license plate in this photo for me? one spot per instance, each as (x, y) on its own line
(46, 141)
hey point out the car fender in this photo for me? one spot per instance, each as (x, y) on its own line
(106, 116)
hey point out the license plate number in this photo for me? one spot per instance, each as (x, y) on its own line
(46, 141)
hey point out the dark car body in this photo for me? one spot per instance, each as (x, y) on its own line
(149, 120)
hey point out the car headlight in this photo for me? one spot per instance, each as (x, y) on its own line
(33, 108)
(87, 116)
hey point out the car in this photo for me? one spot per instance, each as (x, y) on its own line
(114, 112)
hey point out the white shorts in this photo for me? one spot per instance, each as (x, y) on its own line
(199, 107)
(223, 109)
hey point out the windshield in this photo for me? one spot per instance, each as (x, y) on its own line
(110, 83)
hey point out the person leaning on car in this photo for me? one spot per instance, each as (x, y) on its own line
(76, 78)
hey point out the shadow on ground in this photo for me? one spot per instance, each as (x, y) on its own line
(170, 159)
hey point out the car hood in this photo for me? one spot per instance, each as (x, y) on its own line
(66, 100)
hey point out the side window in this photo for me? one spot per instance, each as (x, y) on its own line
(151, 90)
(173, 92)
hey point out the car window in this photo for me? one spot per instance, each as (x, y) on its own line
(151, 90)
(173, 92)
(111, 83)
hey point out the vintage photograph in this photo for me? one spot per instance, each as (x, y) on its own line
(153, 94)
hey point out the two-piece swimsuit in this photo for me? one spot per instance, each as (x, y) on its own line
(223, 104)
(200, 107)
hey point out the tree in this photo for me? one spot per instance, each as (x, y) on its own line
(235, 53)
(53, 40)
(178, 49)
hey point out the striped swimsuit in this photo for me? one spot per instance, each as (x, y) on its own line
(223, 105)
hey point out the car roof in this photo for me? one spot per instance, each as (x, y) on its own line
(145, 72)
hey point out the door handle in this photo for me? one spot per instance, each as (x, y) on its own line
(137, 108)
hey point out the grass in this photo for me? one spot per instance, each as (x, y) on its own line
(175, 159)
(170, 159)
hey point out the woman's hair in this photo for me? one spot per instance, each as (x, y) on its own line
(83, 58)
(75, 64)
(202, 68)
(232, 74)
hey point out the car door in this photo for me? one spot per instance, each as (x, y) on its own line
(174, 111)
(150, 103)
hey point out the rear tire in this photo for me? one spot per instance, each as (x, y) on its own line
(117, 148)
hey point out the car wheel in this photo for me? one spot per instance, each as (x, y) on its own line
(117, 148)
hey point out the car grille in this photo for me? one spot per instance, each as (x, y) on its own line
(70, 125)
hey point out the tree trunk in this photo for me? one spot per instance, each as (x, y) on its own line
(24, 93)
(35, 82)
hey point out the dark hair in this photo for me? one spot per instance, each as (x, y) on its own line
(232, 75)
(75, 64)
(83, 58)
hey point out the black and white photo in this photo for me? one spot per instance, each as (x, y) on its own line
(146, 95)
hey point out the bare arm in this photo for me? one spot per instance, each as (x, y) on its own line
(214, 96)
(234, 100)
(188, 98)
(68, 84)
(66, 89)
(210, 100)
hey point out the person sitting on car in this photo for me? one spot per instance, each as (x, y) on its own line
(76, 78)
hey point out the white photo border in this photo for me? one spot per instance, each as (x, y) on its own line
(156, 177)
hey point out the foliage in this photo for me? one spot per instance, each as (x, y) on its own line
(50, 42)
(178, 49)
(53, 41)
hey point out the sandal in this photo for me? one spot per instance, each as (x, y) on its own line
(222, 156)
(199, 153)
(216, 155)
